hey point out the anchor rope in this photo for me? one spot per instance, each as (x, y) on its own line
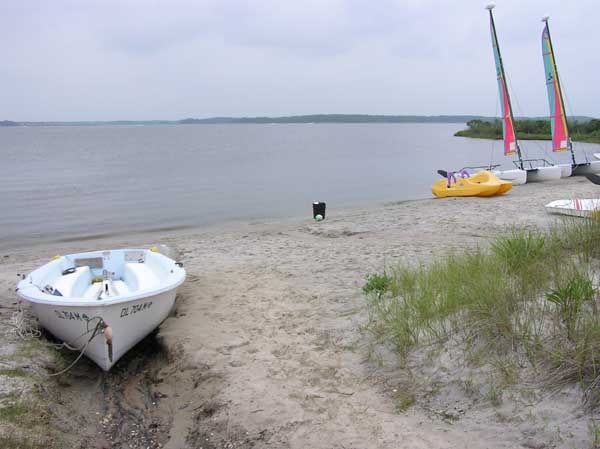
(25, 328)
(99, 326)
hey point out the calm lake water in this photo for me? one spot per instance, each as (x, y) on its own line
(66, 182)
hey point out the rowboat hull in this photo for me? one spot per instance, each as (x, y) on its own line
(130, 322)
(104, 302)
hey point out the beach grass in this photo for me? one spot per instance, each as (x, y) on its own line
(15, 442)
(530, 295)
(14, 372)
(13, 412)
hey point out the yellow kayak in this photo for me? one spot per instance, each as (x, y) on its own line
(484, 183)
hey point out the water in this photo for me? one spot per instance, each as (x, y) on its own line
(68, 182)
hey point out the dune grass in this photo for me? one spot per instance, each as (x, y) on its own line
(16, 442)
(530, 295)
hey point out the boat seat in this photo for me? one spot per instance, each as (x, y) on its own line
(117, 288)
(74, 284)
(121, 287)
(138, 276)
(93, 291)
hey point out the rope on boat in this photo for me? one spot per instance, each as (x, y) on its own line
(26, 328)
(98, 329)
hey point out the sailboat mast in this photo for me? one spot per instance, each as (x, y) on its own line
(558, 86)
(502, 82)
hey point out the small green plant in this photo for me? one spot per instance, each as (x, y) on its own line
(519, 249)
(581, 237)
(404, 398)
(594, 431)
(494, 395)
(14, 442)
(377, 283)
(507, 370)
(469, 388)
(14, 372)
(569, 299)
(13, 412)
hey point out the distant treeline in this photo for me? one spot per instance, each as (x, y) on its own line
(340, 118)
(8, 123)
(306, 119)
(582, 131)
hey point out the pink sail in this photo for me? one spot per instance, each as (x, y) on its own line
(508, 128)
(558, 121)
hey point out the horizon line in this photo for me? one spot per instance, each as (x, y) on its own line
(302, 118)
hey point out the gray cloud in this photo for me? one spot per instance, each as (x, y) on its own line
(74, 60)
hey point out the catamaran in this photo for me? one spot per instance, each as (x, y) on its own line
(528, 170)
(561, 141)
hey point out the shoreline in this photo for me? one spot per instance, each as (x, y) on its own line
(265, 348)
(151, 234)
(523, 136)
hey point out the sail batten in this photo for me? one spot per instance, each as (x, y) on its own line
(558, 120)
(508, 128)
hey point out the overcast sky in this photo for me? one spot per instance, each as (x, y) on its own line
(127, 59)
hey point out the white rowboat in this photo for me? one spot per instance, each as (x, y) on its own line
(103, 302)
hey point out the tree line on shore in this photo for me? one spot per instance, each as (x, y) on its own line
(583, 131)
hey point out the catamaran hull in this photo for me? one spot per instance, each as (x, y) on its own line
(540, 174)
(517, 177)
(129, 321)
(566, 170)
(589, 168)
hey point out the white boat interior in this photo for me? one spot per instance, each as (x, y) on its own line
(103, 275)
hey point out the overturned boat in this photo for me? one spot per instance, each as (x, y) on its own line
(578, 207)
(103, 302)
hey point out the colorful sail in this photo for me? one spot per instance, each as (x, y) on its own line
(558, 120)
(508, 128)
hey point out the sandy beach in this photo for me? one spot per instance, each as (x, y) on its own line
(265, 348)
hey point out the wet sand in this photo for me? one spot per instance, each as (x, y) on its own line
(265, 349)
